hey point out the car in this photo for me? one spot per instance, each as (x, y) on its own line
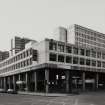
(11, 91)
(2, 90)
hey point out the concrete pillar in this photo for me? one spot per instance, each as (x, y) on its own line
(14, 83)
(27, 81)
(97, 79)
(1, 83)
(5, 84)
(19, 78)
(67, 81)
(83, 81)
(9, 82)
(46, 80)
(35, 79)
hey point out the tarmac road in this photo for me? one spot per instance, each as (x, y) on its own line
(82, 99)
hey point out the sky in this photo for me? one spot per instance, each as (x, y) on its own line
(37, 19)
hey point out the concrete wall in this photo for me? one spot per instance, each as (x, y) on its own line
(71, 34)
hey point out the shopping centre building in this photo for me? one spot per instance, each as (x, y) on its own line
(75, 59)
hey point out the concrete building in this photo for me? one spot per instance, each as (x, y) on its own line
(54, 66)
(86, 37)
(4, 55)
(18, 44)
(60, 34)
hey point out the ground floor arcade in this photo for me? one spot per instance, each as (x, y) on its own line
(54, 80)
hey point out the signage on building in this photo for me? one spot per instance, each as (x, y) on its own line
(64, 66)
(89, 81)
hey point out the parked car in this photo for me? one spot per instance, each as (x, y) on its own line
(11, 91)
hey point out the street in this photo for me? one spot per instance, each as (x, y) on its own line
(82, 99)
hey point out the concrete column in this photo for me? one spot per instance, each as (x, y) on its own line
(14, 83)
(97, 79)
(67, 81)
(9, 82)
(83, 81)
(5, 84)
(47, 80)
(1, 83)
(19, 78)
(27, 88)
(35, 79)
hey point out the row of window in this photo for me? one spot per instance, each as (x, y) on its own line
(89, 32)
(96, 43)
(75, 60)
(90, 37)
(85, 36)
(17, 57)
(75, 50)
(89, 46)
(18, 65)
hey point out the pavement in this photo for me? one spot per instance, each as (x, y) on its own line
(44, 94)
(92, 98)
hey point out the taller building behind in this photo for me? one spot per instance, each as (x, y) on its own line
(86, 37)
(81, 36)
(4, 55)
(18, 44)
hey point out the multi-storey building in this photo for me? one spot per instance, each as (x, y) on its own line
(4, 55)
(54, 66)
(86, 37)
(18, 44)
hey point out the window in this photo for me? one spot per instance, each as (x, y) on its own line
(87, 62)
(103, 55)
(60, 58)
(27, 53)
(52, 46)
(30, 61)
(27, 62)
(52, 57)
(23, 54)
(98, 63)
(24, 64)
(34, 55)
(75, 50)
(16, 58)
(93, 63)
(75, 60)
(87, 52)
(93, 54)
(30, 51)
(60, 47)
(82, 61)
(68, 59)
(18, 65)
(103, 64)
(68, 49)
(82, 51)
(98, 54)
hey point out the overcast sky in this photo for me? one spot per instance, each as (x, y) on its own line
(38, 18)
